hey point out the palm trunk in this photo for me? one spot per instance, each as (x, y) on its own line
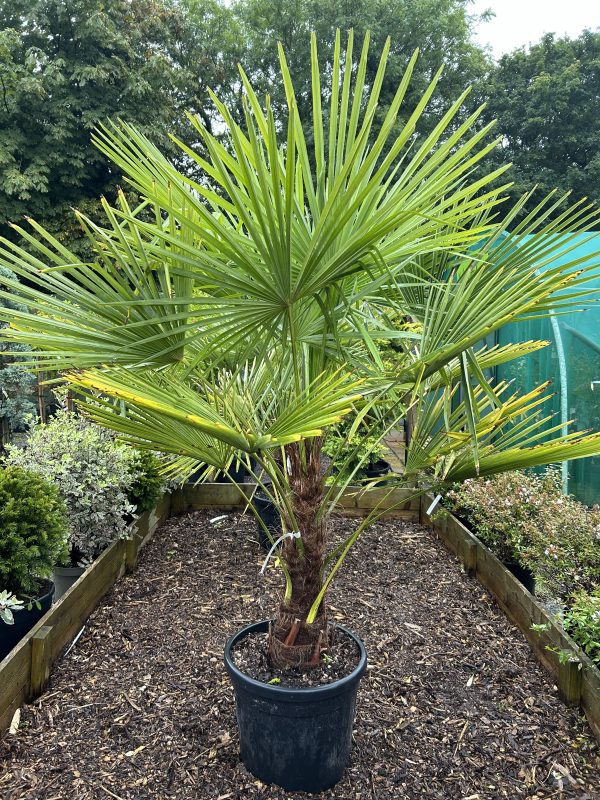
(293, 642)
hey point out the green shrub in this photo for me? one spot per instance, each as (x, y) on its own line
(33, 530)
(16, 382)
(526, 519)
(93, 474)
(348, 448)
(582, 623)
(488, 506)
(148, 483)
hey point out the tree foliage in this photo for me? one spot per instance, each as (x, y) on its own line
(65, 66)
(244, 314)
(33, 530)
(547, 102)
(441, 29)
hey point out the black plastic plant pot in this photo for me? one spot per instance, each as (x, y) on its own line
(238, 475)
(195, 476)
(11, 635)
(298, 739)
(523, 574)
(269, 514)
(378, 469)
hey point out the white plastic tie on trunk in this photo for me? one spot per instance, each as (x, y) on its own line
(288, 535)
(434, 504)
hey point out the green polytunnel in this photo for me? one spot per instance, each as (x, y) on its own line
(571, 362)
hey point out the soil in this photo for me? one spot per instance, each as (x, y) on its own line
(453, 705)
(338, 660)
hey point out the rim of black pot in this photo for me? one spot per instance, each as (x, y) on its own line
(47, 588)
(259, 497)
(292, 693)
(60, 568)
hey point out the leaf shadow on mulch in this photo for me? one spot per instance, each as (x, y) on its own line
(454, 704)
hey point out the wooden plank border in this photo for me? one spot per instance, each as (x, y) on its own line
(577, 678)
(25, 670)
(354, 502)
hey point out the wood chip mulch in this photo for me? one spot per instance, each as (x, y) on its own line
(453, 705)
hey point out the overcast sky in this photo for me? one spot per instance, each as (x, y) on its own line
(521, 22)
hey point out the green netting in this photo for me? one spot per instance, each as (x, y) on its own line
(572, 363)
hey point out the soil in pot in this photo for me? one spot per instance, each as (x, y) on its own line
(250, 657)
(64, 578)
(24, 620)
(298, 737)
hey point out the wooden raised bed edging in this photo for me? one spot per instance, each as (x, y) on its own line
(577, 678)
(353, 502)
(25, 670)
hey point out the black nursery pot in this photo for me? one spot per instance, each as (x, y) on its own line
(268, 513)
(378, 469)
(522, 574)
(11, 635)
(237, 474)
(299, 739)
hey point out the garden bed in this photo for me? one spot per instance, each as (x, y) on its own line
(454, 704)
(577, 677)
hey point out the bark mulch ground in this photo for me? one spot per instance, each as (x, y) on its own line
(453, 705)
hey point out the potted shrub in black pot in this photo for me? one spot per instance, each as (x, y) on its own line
(547, 539)
(355, 448)
(93, 474)
(288, 259)
(33, 537)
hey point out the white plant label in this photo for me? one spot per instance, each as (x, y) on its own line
(434, 504)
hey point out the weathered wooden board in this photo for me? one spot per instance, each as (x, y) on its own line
(15, 678)
(355, 500)
(223, 496)
(577, 678)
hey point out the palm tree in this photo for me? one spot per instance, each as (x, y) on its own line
(246, 314)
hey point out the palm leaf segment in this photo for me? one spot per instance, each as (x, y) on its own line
(294, 259)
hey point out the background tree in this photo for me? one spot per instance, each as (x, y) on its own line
(65, 65)
(441, 29)
(547, 102)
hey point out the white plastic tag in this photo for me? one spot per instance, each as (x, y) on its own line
(434, 504)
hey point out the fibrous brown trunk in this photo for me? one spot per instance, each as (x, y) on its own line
(292, 642)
